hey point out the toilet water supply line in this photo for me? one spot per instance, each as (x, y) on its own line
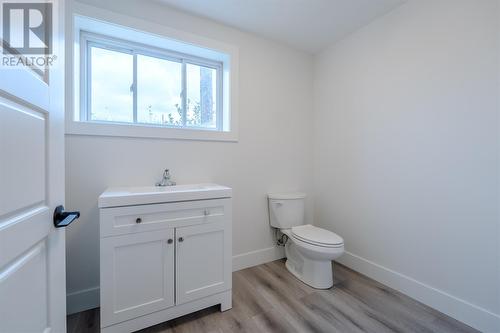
(281, 240)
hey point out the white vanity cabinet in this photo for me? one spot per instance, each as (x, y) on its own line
(161, 258)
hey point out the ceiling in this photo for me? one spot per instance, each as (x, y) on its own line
(309, 25)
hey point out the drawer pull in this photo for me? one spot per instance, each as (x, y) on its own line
(138, 220)
(170, 241)
(181, 239)
(206, 212)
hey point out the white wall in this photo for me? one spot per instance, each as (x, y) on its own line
(405, 145)
(406, 153)
(273, 152)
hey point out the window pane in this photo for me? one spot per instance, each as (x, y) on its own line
(111, 76)
(159, 88)
(201, 96)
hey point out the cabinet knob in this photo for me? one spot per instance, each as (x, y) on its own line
(181, 239)
(170, 241)
(138, 220)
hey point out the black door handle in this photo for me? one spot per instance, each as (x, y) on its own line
(62, 218)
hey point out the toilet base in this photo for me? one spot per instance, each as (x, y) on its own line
(315, 273)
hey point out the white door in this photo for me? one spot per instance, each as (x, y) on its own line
(32, 250)
(137, 275)
(202, 261)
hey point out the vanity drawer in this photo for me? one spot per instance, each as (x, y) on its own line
(132, 219)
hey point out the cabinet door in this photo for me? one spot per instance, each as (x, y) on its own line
(137, 275)
(203, 264)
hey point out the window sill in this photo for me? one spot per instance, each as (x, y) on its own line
(144, 131)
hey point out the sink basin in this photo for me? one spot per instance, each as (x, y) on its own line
(129, 196)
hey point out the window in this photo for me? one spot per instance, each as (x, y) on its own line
(130, 83)
(134, 78)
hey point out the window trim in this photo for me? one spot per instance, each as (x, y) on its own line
(90, 39)
(83, 17)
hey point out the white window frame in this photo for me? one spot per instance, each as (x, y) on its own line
(89, 40)
(85, 18)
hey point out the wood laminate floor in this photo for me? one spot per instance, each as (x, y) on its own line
(267, 298)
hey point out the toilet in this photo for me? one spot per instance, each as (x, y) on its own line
(309, 250)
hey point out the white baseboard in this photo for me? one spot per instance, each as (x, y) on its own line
(257, 257)
(89, 298)
(82, 300)
(455, 307)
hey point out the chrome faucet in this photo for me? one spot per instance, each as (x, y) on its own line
(165, 181)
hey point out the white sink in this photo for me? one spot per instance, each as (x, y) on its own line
(129, 196)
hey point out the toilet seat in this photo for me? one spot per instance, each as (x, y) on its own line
(317, 236)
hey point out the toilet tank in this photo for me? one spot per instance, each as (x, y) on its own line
(286, 210)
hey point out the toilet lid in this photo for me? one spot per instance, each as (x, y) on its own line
(318, 236)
